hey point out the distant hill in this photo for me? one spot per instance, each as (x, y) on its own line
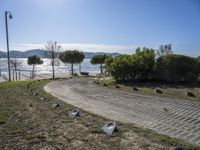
(19, 54)
(44, 54)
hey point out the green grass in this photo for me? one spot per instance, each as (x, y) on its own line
(26, 122)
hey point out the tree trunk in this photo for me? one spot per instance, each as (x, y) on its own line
(16, 74)
(19, 75)
(79, 68)
(33, 71)
(53, 69)
(72, 67)
(101, 66)
(13, 75)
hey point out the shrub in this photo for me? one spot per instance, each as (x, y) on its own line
(177, 68)
(130, 67)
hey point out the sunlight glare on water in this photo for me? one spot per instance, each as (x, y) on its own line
(86, 66)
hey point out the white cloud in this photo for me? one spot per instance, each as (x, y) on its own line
(78, 46)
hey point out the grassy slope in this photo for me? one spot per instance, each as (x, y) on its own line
(26, 122)
(169, 90)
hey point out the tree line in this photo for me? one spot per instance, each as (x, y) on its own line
(145, 64)
(149, 64)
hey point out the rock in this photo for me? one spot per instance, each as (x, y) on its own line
(178, 148)
(75, 113)
(109, 128)
(189, 93)
(56, 104)
(43, 98)
(158, 91)
(135, 88)
(35, 93)
(165, 109)
(117, 86)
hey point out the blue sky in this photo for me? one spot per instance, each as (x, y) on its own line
(103, 25)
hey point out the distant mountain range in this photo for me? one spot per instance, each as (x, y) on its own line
(44, 54)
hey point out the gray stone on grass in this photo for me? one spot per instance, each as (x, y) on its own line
(117, 86)
(75, 113)
(109, 128)
(35, 93)
(135, 88)
(158, 91)
(56, 104)
(43, 98)
(178, 148)
(189, 93)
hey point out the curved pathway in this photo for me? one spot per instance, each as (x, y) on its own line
(176, 118)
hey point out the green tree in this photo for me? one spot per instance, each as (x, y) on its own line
(108, 62)
(198, 59)
(72, 57)
(53, 50)
(122, 67)
(145, 60)
(99, 59)
(130, 67)
(34, 60)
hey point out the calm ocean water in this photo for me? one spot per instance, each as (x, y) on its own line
(86, 66)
